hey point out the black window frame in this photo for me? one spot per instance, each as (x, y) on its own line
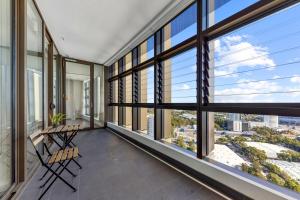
(200, 41)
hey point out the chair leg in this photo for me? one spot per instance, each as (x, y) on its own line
(46, 172)
(74, 175)
(49, 168)
(58, 176)
(77, 163)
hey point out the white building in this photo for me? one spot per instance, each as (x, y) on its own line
(150, 124)
(235, 116)
(234, 125)
(271, 121)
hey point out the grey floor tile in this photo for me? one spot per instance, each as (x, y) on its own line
(114, 169)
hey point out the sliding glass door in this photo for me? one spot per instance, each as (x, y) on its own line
(34, 75)
(6, 145)
(84, 94)
(98, 103)
(77, 95)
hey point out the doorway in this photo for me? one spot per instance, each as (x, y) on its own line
(83, 94)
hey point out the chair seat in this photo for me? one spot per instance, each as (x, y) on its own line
(62, 155)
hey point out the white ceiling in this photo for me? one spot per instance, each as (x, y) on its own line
(95, 30)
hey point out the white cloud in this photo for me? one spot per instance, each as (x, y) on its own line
(183, 87)
(233, 52)
(194, 68)
(294, 92)
(247, 91)
(295, 79)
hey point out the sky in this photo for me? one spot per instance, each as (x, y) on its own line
(256, 63)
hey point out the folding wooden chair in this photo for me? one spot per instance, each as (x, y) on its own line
(58, 157)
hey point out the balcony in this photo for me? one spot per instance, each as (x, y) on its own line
(113, 168)
(186, 99)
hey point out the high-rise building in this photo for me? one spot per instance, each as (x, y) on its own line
(234, 116)
(271, 121)
(150, 122)
(234, 125)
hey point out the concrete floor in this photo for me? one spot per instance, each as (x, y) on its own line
(114, 169)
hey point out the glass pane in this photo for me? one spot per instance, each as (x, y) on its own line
(34, 70)
(265, 146)
(146, 89)
(127, 89)
(181, 28)
(180, 129)
(128, 61)
(127, 117)
(6, 97)
(258, 62)
(179, 78)
(46, 59)
(113, 114)
(146, 122)
(147, 49)
(116, 67)
(55, 79)
(98, 96)
(219, 10)
(78, 94)
(115, 91)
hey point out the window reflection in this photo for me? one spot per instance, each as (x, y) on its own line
(34, 70)
(5, 97)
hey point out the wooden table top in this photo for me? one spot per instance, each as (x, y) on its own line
(60, 129)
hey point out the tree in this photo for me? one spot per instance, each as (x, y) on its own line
(254, 154)
(191, 146)
(245, 167)
(292, 184)
(255, 169)
(219, 122)
(273, 168)
(290, 156)
(239, 139)
(274, 178)
(222, 140)
(180, 142)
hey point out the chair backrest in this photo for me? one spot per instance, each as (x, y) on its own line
(36, 138)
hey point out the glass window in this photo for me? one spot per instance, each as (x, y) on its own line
(146, 121)
(179, 78)
(55, 80)
(113, 114)
(258, 62)
(180, 129)
(34, 70)
(181, 28)
(127, 80)
(47, 47)
(116, 67)
(128, 61)
(219, 10)
(121, 64)
(127, 117)
(262, 145)
(78, 94)
(147, 49)
(115, 89)
(6, 168)
(98, 96)
(86, 98)
(146, 88)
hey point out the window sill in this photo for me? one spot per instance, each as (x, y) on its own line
(238, 182)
